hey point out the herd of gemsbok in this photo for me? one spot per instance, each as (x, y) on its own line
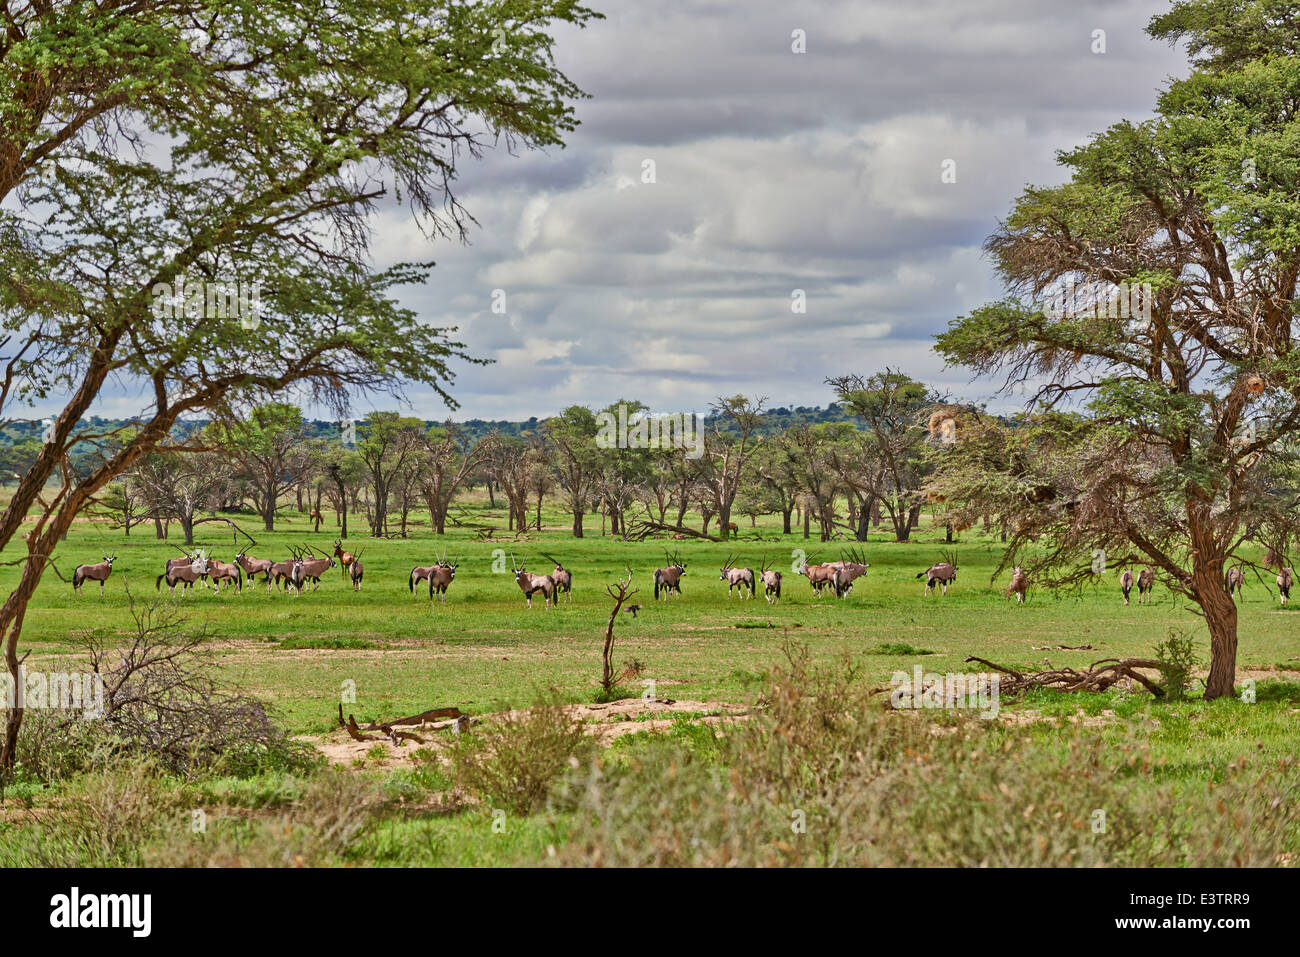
(304, 568)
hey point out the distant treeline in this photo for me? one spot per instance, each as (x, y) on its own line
(20, 441)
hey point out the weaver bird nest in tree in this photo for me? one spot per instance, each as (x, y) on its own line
(1255, 384)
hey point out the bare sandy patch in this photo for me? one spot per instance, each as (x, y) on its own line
(606, 722)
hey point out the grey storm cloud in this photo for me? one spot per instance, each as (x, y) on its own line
(773, 172)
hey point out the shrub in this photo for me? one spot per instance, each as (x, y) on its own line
(512, 761)
(825, 775)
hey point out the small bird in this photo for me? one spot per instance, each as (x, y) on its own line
(633, 609)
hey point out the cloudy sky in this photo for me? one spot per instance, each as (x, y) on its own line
(774, 171)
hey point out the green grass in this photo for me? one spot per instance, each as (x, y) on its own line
(484, 649)
(484, 646)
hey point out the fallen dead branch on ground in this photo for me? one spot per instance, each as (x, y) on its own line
(455, 718)
(1098, 676)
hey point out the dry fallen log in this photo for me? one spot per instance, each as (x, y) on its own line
(390, 728)
(1099, 676)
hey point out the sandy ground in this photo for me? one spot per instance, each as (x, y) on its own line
(606, 722)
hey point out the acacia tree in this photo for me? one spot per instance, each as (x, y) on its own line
(1183, 407)
(388, 444)
(572, 436)
(270, 448)
(177, 485)
(888, 464)
(510, 463)
(446, 463)
(808, 452)
(148, 143)
(729, 442)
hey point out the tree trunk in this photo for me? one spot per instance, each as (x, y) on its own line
(1221, 619)
(785, 519)
(577, 523)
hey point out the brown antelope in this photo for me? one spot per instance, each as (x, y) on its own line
(356, 570)
(1019, 585)
(423, 572)
(1126, 584)
(563, 579)
(313, 568)
(531, 584)
(97, 572)
(850, 568)
(819, 576)
(1146, 583)
(442, 577)
(1285, 578)
(183, 562)
(942, 573)
(669, 579)
(1234, 580)
(186, 575)
(225, 572)
(771, 582)
(737, 578)
(287, 574)
(345, 558)
(254, 566)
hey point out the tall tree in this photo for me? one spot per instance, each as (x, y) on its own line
(729, 442)
(388, 443)
(157, 145)
(1178, 407)
(269, 446)
(572, 436)
(447, 462)
(888, 465)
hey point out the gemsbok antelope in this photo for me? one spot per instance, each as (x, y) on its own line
(771, 582)
(1146, 584)
(737, 579)
(254, 566)
(563, 579)
(942, 573)
(1126, 584)
(219, 572)
(183, 562)
(287, 574)
(1285, 579)
(1234, 580)
(819, 576)
(441, 579)
(423, 572)
(345, 558)
(531, 584)
(185, 575)
(1019, 585)
(669, 579)
(356, 570)
(850, 568)
(313, 568)
(97, 572)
